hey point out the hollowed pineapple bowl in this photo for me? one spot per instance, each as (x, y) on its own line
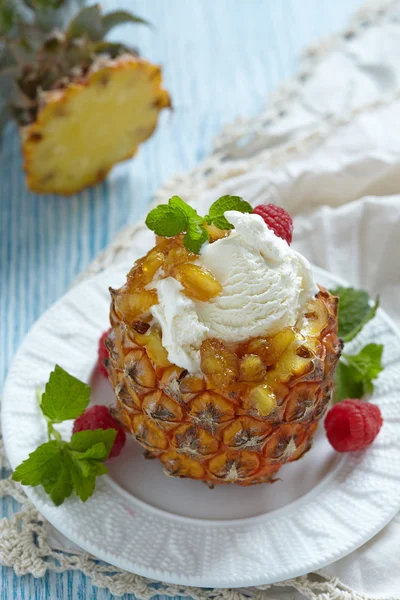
(256, 404)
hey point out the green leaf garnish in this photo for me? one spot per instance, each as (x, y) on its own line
(168, 219)
(40, 465)
(217, 210)
(177, 217)
(65, 397)
(62, 467)
(355, 373)
(84, 441)
(355, 311)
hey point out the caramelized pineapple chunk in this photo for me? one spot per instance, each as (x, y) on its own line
(278, 344)
(131, 305)
(154, 348)
(316, 318)
(154, 260)
(198, 283)
(215, 233)
(176, 256)
(258, 346)
(218, 363)
(252, 368)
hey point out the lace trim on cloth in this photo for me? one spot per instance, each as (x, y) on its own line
(24, 536)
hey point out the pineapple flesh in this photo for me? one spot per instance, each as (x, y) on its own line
(83, 129)
(254, 408)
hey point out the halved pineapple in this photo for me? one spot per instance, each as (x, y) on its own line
(83, 129)
(254, 407)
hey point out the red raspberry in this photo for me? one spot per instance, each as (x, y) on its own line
(99, 417)
(102, 354)
(277, 219)
(353, 425)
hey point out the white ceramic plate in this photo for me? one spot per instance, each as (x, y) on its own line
(179, 531)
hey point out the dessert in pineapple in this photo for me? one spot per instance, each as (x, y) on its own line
(82, 103)
(222, 347)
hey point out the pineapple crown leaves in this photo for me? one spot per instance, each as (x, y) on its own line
(36, 55)
(355, 374)
(59, 466)
(177, 217)
(90, 23)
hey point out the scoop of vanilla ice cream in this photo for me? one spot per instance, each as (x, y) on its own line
(182, 331)
(265, 286)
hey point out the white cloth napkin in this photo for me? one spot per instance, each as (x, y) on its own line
(361, 243)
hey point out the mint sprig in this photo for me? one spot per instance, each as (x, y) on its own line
(65, 397)
(355, 374)
(355, 310)
(177, 217)
(62, 467)
(223, 204)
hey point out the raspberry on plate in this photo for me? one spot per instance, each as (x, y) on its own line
(102, 354)
(99, 417)
(353, 425)
(277, 219)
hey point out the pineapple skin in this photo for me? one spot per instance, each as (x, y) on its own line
(255, 408)
(85, 128)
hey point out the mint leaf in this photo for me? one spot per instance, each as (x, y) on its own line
(47, 466)
(41, 464)
(59, 484)
(87, 450)
(83, 486)
(168, 219)
(355, 373)
(177, 217)
(354, 311)
(84, 441)
(345, 384)
(217, 210)
(366, 365)
(195, 238)
(65, 397)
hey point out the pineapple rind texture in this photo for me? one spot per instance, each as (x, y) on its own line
(91, 124)
(257, 404)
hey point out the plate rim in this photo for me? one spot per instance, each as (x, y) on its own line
(154, 573)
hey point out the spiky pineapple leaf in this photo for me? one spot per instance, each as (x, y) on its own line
(113, 49)
(7, 18)
(87, 23)
(120, 17)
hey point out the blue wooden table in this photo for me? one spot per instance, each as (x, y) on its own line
(221, 59)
